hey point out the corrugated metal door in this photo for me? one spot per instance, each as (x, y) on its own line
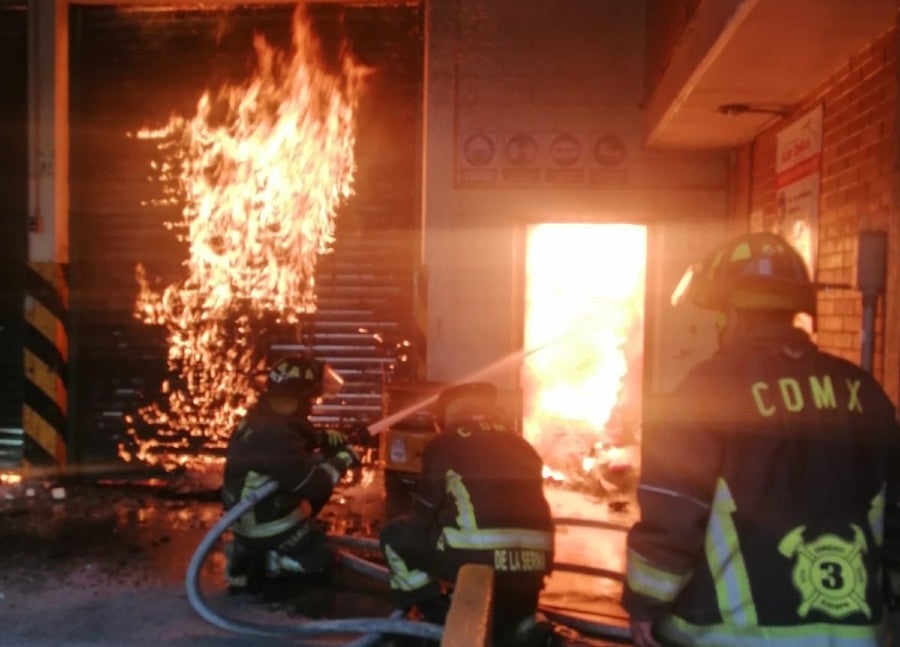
(13, 227)
(131, 68)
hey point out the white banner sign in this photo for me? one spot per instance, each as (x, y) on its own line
(797, 167)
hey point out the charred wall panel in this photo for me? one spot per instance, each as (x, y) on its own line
(13, 219)
(133, 68)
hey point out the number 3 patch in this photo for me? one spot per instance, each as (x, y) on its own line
(829, 572)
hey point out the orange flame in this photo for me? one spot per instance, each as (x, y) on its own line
(260, 170)
(586, 288)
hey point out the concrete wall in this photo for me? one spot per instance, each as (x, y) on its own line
(532, 114)
(858, 191)
(666, 24)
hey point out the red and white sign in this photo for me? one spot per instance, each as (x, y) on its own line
(799, 148)
(797, 168)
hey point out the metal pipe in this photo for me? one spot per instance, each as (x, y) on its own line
(867, 350)
(589, 523)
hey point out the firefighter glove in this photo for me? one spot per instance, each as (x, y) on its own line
(348, 456)
(336, 466)
(332, 440)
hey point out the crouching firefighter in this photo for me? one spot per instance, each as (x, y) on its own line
(769, 491)
(276, 440)
(480, 500)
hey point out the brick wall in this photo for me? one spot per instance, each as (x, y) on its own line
(858, 177)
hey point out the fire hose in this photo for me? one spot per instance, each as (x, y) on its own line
(371, 628)
(593, 629)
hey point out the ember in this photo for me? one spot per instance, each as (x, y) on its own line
(8, 478)
(260, 170)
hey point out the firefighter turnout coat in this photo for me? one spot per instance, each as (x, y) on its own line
(266, 445)
(482, 485)
(766, 479)
(480, 499)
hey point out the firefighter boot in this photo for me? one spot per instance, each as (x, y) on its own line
(431, 605)
(237, 566)
(304, 552)
(535, 631)
(435, 610)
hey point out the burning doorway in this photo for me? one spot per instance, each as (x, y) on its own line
(584, 310)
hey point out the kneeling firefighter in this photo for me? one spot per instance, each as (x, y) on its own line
(276, 440)
(480, 500)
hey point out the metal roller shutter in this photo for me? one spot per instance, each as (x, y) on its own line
(131, 68)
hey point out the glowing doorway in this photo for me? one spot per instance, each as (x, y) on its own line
(584, 300)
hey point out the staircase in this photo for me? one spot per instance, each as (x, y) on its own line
(363, 326)
(364, 314)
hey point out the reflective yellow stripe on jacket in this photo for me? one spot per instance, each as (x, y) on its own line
(726, 563)
(494, 538)
(404, 578)
(469, 536)
(646, 579)
(681, 632)
(248, 526)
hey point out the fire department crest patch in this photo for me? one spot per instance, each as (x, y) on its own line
(829, 572)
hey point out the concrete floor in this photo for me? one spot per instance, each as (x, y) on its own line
(104, 566)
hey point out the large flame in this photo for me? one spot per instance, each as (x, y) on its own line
(585, 288)
(260, 170)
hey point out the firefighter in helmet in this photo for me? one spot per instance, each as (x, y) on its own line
(275, 440)
(769, 476)
(480, 500)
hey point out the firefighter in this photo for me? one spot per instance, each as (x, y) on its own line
(275, 440)
(480, 500)
(767, 476)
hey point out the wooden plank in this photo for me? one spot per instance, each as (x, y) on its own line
(469, 619)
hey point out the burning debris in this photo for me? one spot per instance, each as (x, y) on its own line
(259, 170)
(586, 289)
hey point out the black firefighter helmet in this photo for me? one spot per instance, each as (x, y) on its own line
(303, 376)
(462, 400)
(754, 271)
